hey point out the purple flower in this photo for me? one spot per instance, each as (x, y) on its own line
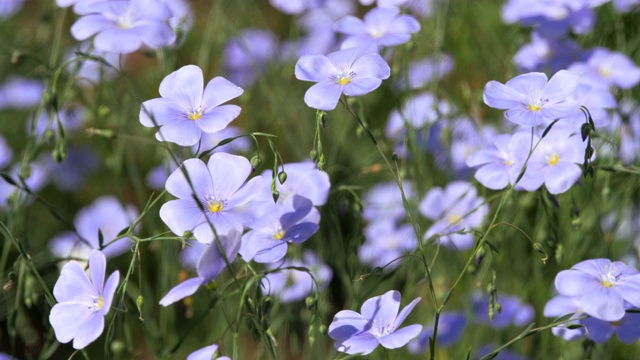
(105, 216)
(20, 93)
(603, 286)
(427, 70)
(383, 26)
(626, 5)
(124, 26)
(210, 265)
(83, 301)
(604, 68)
(384, 202)
(418, 111)
(246, 56)
(544, 52)
(185, 111)
(501, 161)
(530, 100)
(219, 188)
(450, 328)
(377, 324)
(626, 329)
(207, 353)
(385, 243)
(345, 71)
(10, 7)
(293, 222)
(290, 285)
(453, 209)
(554, 162)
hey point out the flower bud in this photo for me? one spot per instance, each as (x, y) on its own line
(282, 177)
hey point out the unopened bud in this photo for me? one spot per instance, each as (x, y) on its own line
(282, 177)
(310, 302)
(256, 161)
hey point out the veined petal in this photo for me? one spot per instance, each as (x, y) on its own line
(182, 290)
(503, 97)
(156, 34)
(246, 192)
(183, 132)
(359, 87)
(117, 40)
(228, 173)
(66, 318)
(561, 85)
(315, 68)
(162, 110)
(178, 186)
(185, 86)
(493, 176)
(89, 25)
(109, 292)
(97, 268)
(383, 309)
(576, 283)
(561, 176)
(347, 323)
(400, 337)
(181, 215)
(603, 303)
(73, 284)
(371, 66)
(521, 115)
(405, 312)
(323, 95)
(272, 253)
(529, 85)
(363, 343)
(220, 90)
(89, 331)
(344, 59)
(218, 118)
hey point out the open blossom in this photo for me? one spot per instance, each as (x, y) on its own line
(209, 266)
(501, 161)
(83, 301)
(377, 324)
(603, 287)
(219, 188)
(383, 26)
(292, 222)
(530, 100)
(124, 26)
(454, 208)
(185, 110)
(345, 71)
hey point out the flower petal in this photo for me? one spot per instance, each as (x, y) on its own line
(603, 303)
(323, 95)
(218, 118)
(89, 331)
(400, 337)
(182, 290)
(383, 308)
(314, 68)
(66, 318)
(97, 268)
(109, 292)
(220, 90)
(73, 284)
(181, 215)
(228, 173)
(347, 323)
(358, 87)
(185, 86)
(200, 176)
(405, 312)
(117, 40)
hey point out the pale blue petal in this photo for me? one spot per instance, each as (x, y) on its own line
(383, 309)
(400, 337)
(185, 86)
(359, 86)
(109, 292)
(218, 118)
(117, 40)
(228, 173)
(323, 95)
(89, 25)
(89, 331)
(178, 186)
(220, 90)
(182, 290)
(314, 68)
(73, 284)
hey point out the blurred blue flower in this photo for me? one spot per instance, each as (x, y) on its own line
(289, 285)
(530, 100)
(603, 286)
(125, 26)
(456, 208)
(383, 202)
(246, 56)
(9, 7)
(545, 52)
(385, 243)
(83, 301)
(451, 325)
(185, 110)
(513, 311)
(210, 197)
(210, 265)
(382, 26)
(20, 93)
(346, 71)
(106, 216)
(604, 68)
(377, 324)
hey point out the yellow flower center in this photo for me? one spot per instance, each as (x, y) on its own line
(344, 80)
(606, 283)
(100, 303)
(214, 206)
(279, 235)
(604, 71)
(534, 107)
(195, 115)
(552, 160)
(454, 218)
(508, 162)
